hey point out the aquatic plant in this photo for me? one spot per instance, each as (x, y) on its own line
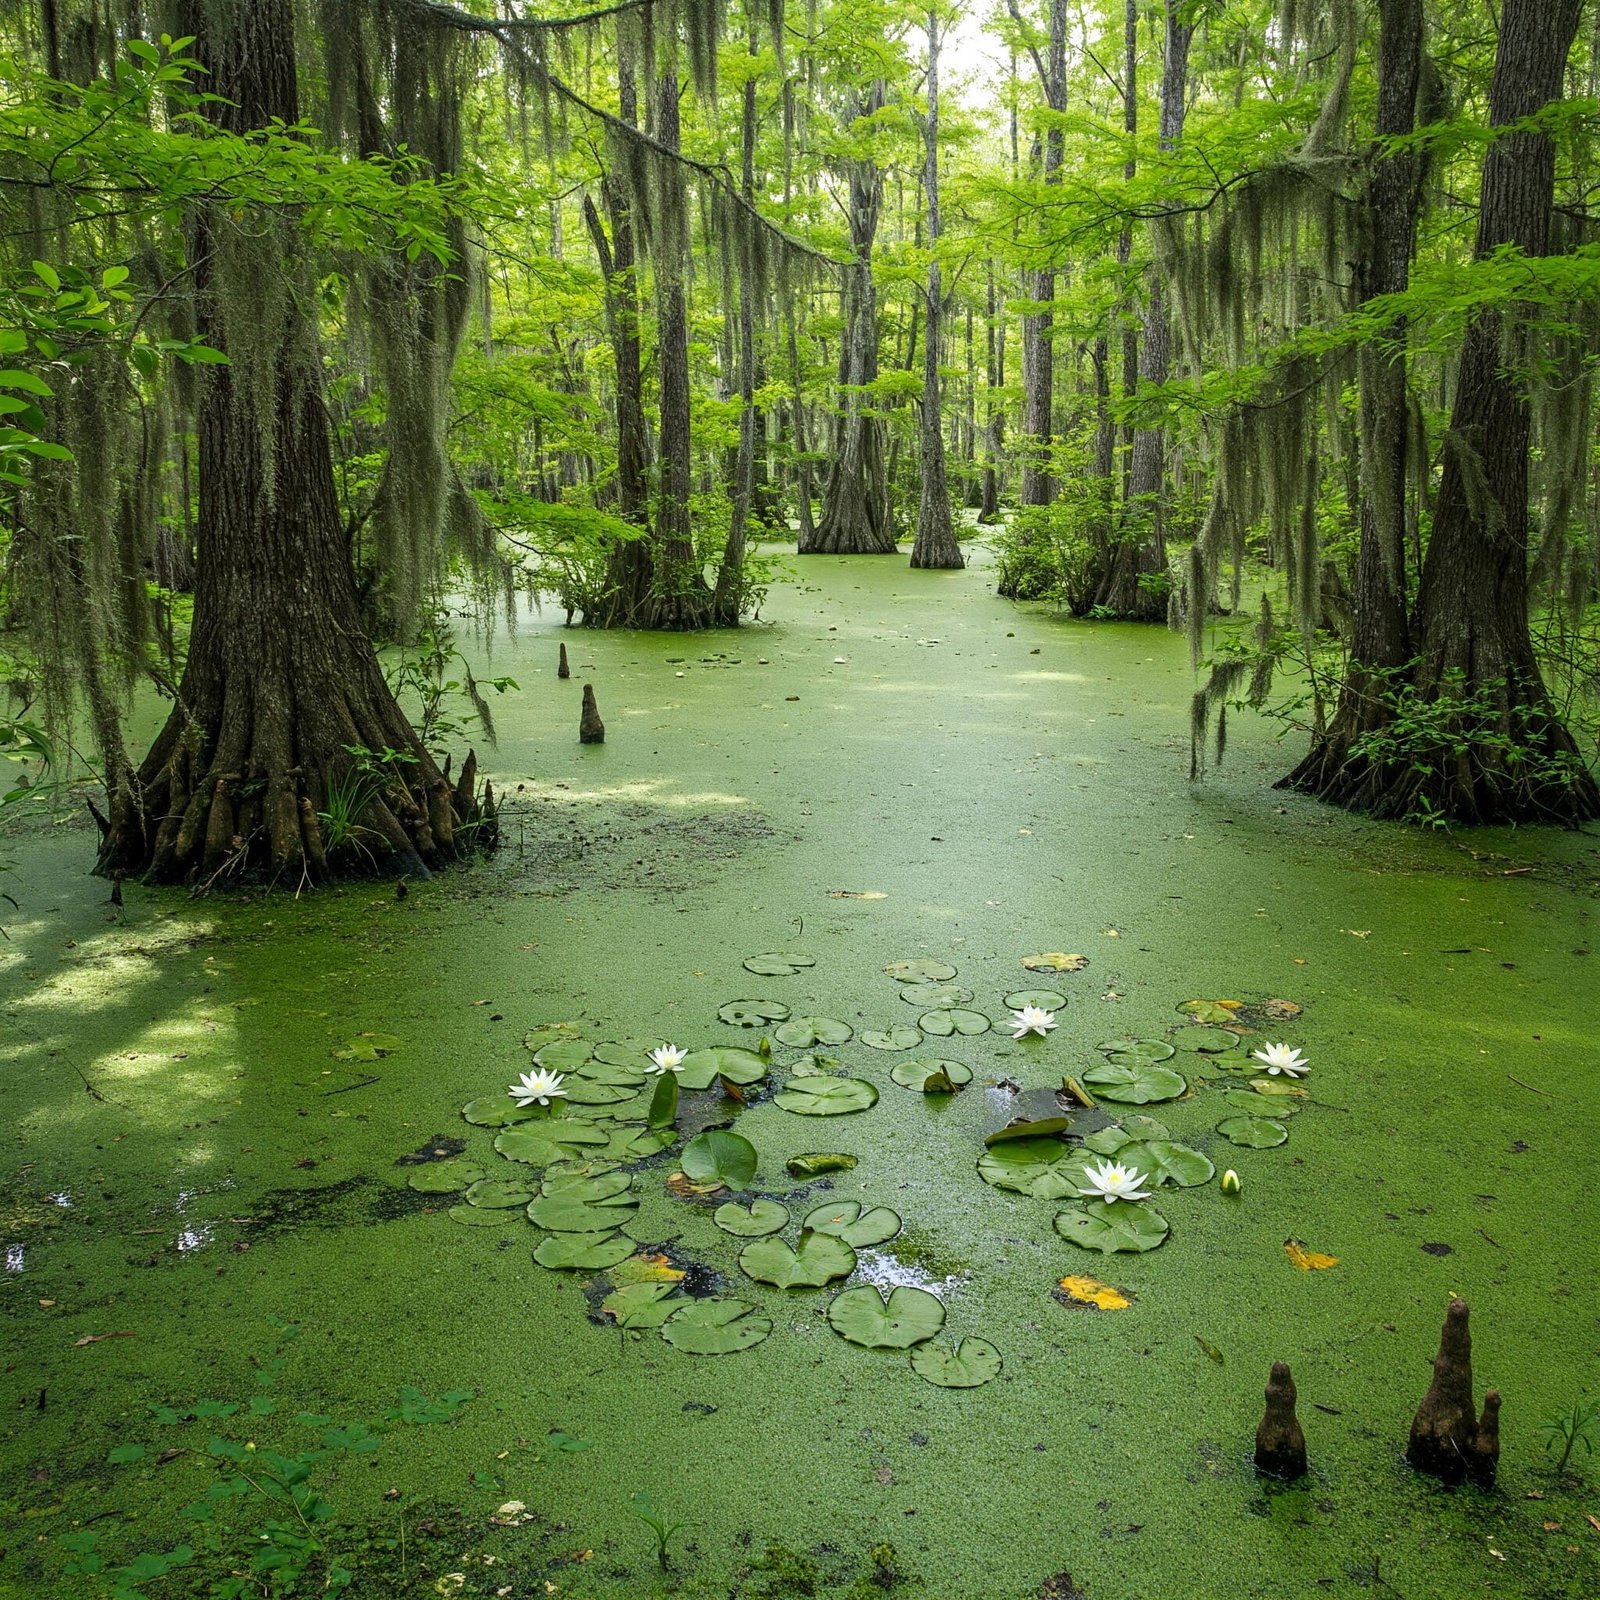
(1282, 1058)
(668, 1058)
(644, 1508)
(538, 1087)
(1031, 1019)
(1113, 1181)
(1569, 1427)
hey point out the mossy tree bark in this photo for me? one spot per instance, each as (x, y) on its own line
(1480, 740)
(280, 678)
(855, 501)
(936, 535)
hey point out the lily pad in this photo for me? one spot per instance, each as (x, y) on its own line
(480, 1216)
(1162, 1161)
(1285, 1087)
(1135, 1083)
(1045, 999)
(444, 1177)
(719, 1157)
(630, 1053)
(499, 1194)
(817, 1162)
(826, 1097)
(915, 1074)
(1055, 961)
(640, 1305)
(496, 1111)
(549, 1032)
(551, 1139)
(942, 1024)
(753, 1221)
(663, 1110)
(922, 969)
(702, 1068)
(615, 1074)
(587, 1092)
(590, 1183)
(368, 1047)
(935, 996)
(891, 1038)
(565, 1055)
(581, 1252)
(860, 1229)
(907, 1317)
(1255, 1104)
(1028, 1128)
(802, 1033)
(564, 1214)
(1136, 1052)
(1047, 1169)
(1221, 1013)
(637, 1144)
(971, 1363)
(778, 964)
(1110, 1226)
(1206, 1041)
(1131, 1129)
(753, 1013)
(1254, 1133)
(819, 1258)
(715, 1327)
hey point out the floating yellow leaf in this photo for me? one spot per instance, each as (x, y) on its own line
(1055, 961)
(1085, 1291)
(1307, 1260)
(644, 1268)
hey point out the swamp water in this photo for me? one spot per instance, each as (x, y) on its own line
(918, 771)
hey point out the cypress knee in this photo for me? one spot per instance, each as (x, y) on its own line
(1444, 1428)
(563, 671)
(591, 730)
(1280, 1444)
(1484, 1460)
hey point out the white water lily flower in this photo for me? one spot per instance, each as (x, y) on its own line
(1113, 1181)
(537, 1088)
(1285, 1059)
(1031, 1019)
(669, 1058)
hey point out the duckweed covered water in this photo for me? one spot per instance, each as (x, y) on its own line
(971, 784)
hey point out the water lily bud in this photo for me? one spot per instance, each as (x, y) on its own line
(1230, 1182)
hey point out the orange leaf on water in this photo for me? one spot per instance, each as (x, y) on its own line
(1308, 1260)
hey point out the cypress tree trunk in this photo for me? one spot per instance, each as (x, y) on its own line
(1380, 643)
(1481, 741)
(280, 677)
(1026, 579)
(994, 433)
(629, 566)
(855, 502)
(1140, 551)
(936, 535)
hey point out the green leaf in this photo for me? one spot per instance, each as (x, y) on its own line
(942, 1024)
(1135, 1082)
(444, 1177)
(46, 450)
(123, 1454)
(753, 1013)
(1046, 1169)
(1035, 1128)
(587, 1092)
(817, 1162)
(1254, 1133)
(614, 1074)
(497, 1111)
(1206, 1041)
(702, 1068)
(846, 1220)
(778, 965)
(1113, 1225)
(582, 1252)
(499, 1194)
(640, 1305)
(558, 1213)
(819, 1258)
(637, 1144)
(716, 1327)
(936, 996)
(915, 1074)
(564, 1055)
(1161, 1161)
(664, 1101)
(1254, 1104)
(922, 969)
(1045, 999)
(826, 1097)
(548, 1140)
(970, 1364)
(1139, 1052)
(45, 273)
(803, 1033)
(760, 1217)
(907, 1317)
(1108, 1141)
(592, 1182)
(719, 1157)
(891, 1038)
(470, 1216)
